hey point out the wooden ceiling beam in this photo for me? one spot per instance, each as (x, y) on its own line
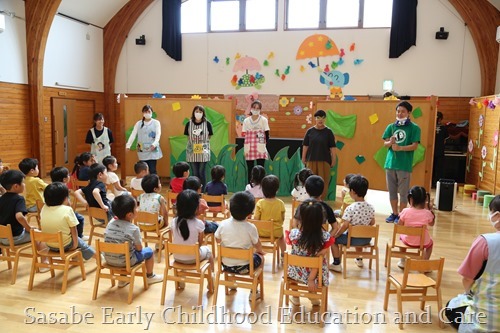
(482, 19)
(39, 17)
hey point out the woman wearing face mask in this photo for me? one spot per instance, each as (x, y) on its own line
(199, 130)
(318, 150)
(256, 133)
(100, 138)
(148, 133)
(479, 311)
(402, 138)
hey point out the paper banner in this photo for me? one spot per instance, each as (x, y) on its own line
(343, 126)
(269, 102)
(339, 144)
(373, 118)
(176, 106)
(360, 159)
(417, 113)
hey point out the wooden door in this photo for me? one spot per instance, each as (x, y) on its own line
(64, 132)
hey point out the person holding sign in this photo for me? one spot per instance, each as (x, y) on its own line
(198, 130)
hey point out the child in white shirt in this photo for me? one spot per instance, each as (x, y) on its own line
(112, 165)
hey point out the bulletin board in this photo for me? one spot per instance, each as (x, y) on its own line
(356, 154)
(171, 113)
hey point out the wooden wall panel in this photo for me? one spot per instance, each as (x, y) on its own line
(15, 125)
(454, 109)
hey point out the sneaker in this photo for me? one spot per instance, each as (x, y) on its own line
(182, 285)
(359, 262)
(295, 301)
(155, 278)
(315, 302)
(84, 238)
(335, 268)
(122, 284)
(257, 295)
(392, 218)
(401, 263)
(43, 269)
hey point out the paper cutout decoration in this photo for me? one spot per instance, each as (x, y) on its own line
(340, 62)
(228, 61)
(418, 155)
(266, 63)
(343, 126)
(352, 47)
(288, 113)
(493, 163)
(292, 99)
(270, 55)
(283, 77)
(176, 106)
(310, 63)
(248, 80)
(334, 65)
(340, 144)
(297, 110)
(316, 46)
(287, 70)
(373, 118)
(302, 68)
(486, 102)
(417, 113)
(277, 73)
(157, 95)
(360, 159)
(495, 139)
(471, 146)
(311, 103)
(484, 152)
(358, 61)
(491, 105)
(237, 56)
(305, 108)
(479, 105)
(216, 59)
(481, 120)
(342, 53)
(349, 98)
(272, 119)
(472, 101)
(284, 101)
(308, 118)
(303, 126)
(196, 97)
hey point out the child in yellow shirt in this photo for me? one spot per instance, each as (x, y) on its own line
(34, 185)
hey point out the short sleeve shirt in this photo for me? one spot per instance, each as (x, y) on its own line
(236, 234)
(118, 232)
(10, 205)
(319, 142)
(405, 135)
(359, 213)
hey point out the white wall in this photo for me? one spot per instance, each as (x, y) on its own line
(13, 59)
(74, 55)
(440, 67)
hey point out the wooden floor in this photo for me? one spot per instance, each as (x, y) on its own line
(356, 301)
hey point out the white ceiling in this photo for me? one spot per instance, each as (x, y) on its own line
(96, 12)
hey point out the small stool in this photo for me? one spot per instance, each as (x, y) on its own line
(487, 199)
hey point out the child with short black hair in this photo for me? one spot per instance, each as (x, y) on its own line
(141, 169)
(181, 172)
(56, 215)
(95, 191)
(299, 192)
(194, 183)
(61, 174)
(122, 230)
(187, 229)
(237, 232)
(272, 208)
(111, 165)
(359, 212)
(258, 173)
(13, 207)
(345, 197)
(151, 200)
(217, 186)
(34, 185)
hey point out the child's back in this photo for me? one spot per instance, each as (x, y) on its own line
(141, 169)
(216, 186)
(121, 231)
(271, 208)
(414, 217)
(181, 172)
(12, 204)
(258, 173)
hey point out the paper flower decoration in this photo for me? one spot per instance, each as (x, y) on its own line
(484, 151)
(481, 120)
(486, 101)
(472, 101)
(496, 100)
(196, 97)
(284, 102)
(495, 139)
(297, 110)
(491, 105)
(309, 118)
(479, 105)
(471, 146)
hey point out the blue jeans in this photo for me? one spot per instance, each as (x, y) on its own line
(145, 254)
(87, 250)
(151, 165)
(198, 169)
(79, 227)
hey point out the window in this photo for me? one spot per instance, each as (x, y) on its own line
(326, 14)
(228, 15)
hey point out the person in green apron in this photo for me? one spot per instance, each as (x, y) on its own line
(100, 138)
(198, 130)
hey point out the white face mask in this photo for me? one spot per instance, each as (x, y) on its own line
(255, 112)
(401, 121)
(198, 115)
(491, 216)
(147, 115)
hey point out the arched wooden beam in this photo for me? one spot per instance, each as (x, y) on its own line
(115, 34)
(39, 17)
(482, 18)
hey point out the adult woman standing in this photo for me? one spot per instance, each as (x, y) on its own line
(148, 133)
(318, 149)
(199, 130)
(100, 138)
(256, 132)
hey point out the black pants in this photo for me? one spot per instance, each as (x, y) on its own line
(250, 165)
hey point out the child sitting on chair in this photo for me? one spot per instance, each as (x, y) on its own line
(216, 186)
(57, 215)
(181, 172)
(299, 192)
(111, 166)
(194, 183)
(345, 196)
(122, 230)
(272, 208)
(258, 173)
(141, 169)
(34, 185)
(151, 201)
(358, 213)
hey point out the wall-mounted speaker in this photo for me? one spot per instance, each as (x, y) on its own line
(141, 40)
